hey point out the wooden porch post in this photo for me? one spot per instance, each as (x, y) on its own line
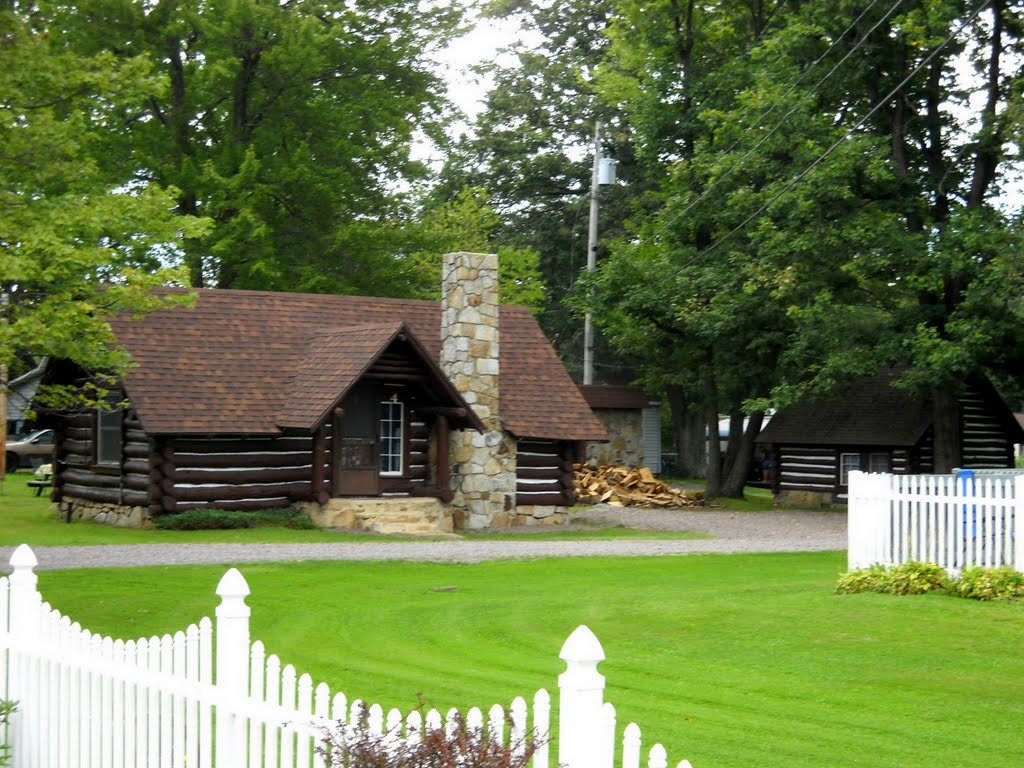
(320, 493)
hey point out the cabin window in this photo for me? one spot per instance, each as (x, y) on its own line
(392, 436)
(108, 437)
(848, 462)
(878, 462)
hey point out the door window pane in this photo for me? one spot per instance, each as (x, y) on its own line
(391, 434)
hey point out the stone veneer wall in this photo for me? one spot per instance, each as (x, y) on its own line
(101, 512)
(483, 465)
(626, 446)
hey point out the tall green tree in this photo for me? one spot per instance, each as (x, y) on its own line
(78, 241)
(824, 185)
(531, 148)
(288, 124)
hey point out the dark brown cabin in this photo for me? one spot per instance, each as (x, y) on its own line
(874, 427)
(253, 399)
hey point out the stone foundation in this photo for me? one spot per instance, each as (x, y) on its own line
(528, 515)
(416, 516)
(108, 514)
(806, 499)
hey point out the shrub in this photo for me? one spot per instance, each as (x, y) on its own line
(221, 519)
(916, 578)
(455, 746)
(862, 580)
(990, 584)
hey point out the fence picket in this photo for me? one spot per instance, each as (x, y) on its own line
(273, 698)
(542, 728)
(631, 746)
(99, 702)
(954, 521)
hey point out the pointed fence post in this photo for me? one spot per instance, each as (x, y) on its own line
(23, 622)
(581, 743)
(1018, 523)
(232, 672)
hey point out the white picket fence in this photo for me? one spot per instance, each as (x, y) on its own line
(207, 696)
(956, 522)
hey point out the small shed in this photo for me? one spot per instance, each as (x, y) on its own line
(633, 421)
(874, 427)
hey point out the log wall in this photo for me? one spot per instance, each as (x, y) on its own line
(544, 474)
(984, 441)
(807, 469)
(78, 475)
(232, 472)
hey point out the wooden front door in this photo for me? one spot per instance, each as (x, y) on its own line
(356, 454)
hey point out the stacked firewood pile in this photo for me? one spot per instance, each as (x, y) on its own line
(622, 486)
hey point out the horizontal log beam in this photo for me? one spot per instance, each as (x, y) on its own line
(241, 476)
(238, 492)
(241, 460)
(105, 495)
(440, 410)
(246, 505)
(255, 445)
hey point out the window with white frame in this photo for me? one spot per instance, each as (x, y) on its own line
(109, 437)
(848, 462)
(392, 433)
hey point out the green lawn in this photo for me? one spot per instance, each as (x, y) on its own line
(743, 660)
(27, 518)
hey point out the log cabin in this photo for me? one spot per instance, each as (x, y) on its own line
(381, 414)
(874, 427)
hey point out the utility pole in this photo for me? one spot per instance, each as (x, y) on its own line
(588, 320)
(603, 173)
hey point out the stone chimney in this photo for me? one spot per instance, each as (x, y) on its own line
(483, 466)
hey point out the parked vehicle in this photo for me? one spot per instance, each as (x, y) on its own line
(30, 451)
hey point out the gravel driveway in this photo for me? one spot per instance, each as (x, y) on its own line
(731, 532)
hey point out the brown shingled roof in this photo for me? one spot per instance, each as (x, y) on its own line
(231, 363)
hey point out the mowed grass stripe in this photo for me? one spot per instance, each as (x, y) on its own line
(741, 660)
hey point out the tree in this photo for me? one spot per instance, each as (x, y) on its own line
(823, 187)
(78, 242)
(468, 223)
(287, 124)
(531, 150)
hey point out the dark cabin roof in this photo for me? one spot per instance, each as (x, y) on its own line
(247, 362)
(615, 396)
(868, 412)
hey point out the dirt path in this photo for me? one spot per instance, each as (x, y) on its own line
(731, 532)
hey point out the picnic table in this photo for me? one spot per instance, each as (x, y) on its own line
(44, 479)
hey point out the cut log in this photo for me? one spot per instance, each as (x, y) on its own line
(622, 486)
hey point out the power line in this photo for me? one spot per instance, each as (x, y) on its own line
(739, 163)
(824, 155)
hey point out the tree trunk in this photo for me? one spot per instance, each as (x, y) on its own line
(688, 433)
(946, 420)
(740, 455)
(714, 473)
